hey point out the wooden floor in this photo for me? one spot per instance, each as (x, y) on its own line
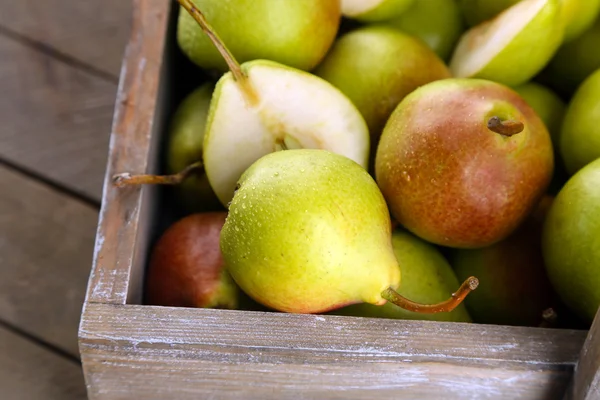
(59, 68)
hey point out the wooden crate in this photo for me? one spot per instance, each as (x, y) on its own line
(134, 351)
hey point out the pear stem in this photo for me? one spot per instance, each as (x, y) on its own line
(505, 128)
(445, 306)
(126, 179)
(232, 63)
(549, 318)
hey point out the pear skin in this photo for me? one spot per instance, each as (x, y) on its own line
(512, 47)
(426, 277)
(438, 23)
(580, 136)
(291, 32)
(571, 242)
(573, 63)
(184, 147)
(375, 67)
(308, 231)
(514, 286)
(451, 178)
(186, 267)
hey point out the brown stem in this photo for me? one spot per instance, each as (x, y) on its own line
(232, 63)
(126, 179)
(549, 318)
(506, 128)
(445, 306)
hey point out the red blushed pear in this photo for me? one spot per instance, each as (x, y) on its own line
(186, 266)
(462, 162)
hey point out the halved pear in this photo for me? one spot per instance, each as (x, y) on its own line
(512, 47)
(374, 10)
(294, 109)
(263, 106)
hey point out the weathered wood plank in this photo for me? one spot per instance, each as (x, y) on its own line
(133, 146)
(586, 381)
(56, 119)
(180, 353)
(46, 248)
(94, 32)
(29, 371)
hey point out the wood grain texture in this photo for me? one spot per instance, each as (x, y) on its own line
(94, 32)
(133, 139)
(586, 380)
(46, 248)
(56, 120)
(29, 371)
(180, 353)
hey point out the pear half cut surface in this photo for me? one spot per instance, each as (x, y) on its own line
(374, 10)
(512, 47)
(263, 106)
(309, 231)
(294, 110)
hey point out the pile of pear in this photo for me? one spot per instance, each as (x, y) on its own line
(359, 155)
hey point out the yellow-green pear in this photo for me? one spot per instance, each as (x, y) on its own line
(580, 135)
(291, 32)
(551, 109)
(478, 11)
(374, 10)
(579, 16)
(547, 104)
(426, 277)
(573, 62)
(512, 47)
(375, 67)
(571, 242)
(263, 106)
(438, 23)
(308, 231)
(184, 147)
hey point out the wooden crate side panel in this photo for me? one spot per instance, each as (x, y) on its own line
(160, 352)
(129, 151)
(586, 380)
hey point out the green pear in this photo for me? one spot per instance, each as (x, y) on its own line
(547, 104)
(580, 135)
(579, 16)
(263, 106)
(308, 231)
(513, 47)
(573, 62)
(184, 147)
(291, 32)
(426, 277)
(375, 67)
(571, 242)
(515, 289)
(462, 162)
(478, 11)
(551, 109)
(374, 10)
(436, 22)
